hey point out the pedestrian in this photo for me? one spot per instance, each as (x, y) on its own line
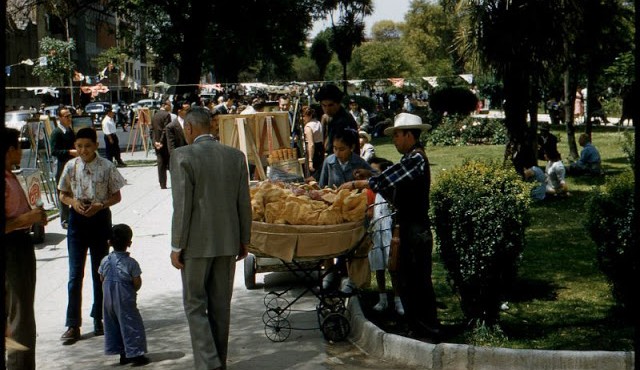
(19, 258)
(547, 142)
(120, 275)
(210, 231)
(338, 118)
(337, 169)
(89, 185)
(111, 138)
(174, 131)
(367, 151)
(360, 115)
(314, 139)
(381, 225)
(160, 120)
(62, 139)
(406, 185)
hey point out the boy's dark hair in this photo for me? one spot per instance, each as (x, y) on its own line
(348, 135)
(10, 138)
(87, 133)
(121, 235)
(381, 162)
(329, 92)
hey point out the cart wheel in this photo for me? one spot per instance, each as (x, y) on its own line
(278, 306)
(250, 271)
(335, 327)
(38, 233)
(277, 329)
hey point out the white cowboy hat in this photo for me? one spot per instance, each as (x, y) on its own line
(365, 135)
(407, 121)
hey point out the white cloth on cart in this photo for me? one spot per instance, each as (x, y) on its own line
(381, 234)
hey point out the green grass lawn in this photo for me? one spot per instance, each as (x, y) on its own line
(561, 300)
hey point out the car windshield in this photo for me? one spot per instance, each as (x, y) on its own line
(94, 108)
(16, 119)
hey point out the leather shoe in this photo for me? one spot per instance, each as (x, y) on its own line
(139, 361)
(72, 334)
(98, 329)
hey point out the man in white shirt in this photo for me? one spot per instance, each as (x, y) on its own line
(110, 138)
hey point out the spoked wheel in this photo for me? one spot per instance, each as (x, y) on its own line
(278, 306)
(277, 329)
(335, 327)
(269, 297)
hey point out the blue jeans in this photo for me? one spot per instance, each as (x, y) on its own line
(86, 234)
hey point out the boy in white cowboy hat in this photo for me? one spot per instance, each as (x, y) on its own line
(406, 185)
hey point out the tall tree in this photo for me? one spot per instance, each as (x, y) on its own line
(385, 30)
(381, 59)
(223, 37)
(517, 40)
(348, 29)
(428, 37)
(321, 52)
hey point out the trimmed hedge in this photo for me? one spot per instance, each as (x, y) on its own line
(480, 211)
(610, 225)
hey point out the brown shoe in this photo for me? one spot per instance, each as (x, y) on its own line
(72, 334)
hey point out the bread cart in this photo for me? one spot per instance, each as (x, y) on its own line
(303, 249)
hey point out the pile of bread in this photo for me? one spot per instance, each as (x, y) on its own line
(306, 204)
(280, 155)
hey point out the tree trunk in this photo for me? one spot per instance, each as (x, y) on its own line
(569, 99)
(344, 78)
(516, 89)
(191, 51)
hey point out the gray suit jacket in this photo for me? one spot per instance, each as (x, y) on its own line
(211, 204)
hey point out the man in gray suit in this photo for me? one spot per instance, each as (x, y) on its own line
(210, 231)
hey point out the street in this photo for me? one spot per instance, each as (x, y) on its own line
(147, 209)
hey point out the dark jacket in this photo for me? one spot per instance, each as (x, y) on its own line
(175, 135)
(159, 121)
(340, 121)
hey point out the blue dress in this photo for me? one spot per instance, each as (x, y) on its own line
(123, 326)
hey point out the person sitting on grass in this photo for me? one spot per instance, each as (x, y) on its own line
(555, 171)
(589, 162)
(120, 275)
(379, 255)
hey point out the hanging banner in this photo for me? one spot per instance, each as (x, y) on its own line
(467, 77)
(397, 82)
(431, 80)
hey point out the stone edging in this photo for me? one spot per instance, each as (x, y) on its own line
(410, 352)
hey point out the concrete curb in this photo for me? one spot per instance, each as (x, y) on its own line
(443, 356)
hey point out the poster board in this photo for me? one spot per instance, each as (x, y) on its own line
(144, 116)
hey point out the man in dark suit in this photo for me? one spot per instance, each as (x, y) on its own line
(62, 147)
(159, 122)
(175, 130)
(210, 231)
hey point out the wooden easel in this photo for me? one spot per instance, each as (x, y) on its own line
(139, 130)
(242, 139)
(241, 132)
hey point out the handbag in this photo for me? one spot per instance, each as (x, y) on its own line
(394, 249)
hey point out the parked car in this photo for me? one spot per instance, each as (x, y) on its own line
(97, 111)
(18, 119)
(149, 103)
(52, 110)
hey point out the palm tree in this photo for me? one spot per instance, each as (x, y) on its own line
(348, 31)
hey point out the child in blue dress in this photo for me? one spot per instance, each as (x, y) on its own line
(120, 275)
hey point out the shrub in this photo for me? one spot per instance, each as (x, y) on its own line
(456, 130)
(610, 225)
(453, 100)
(480, 211)
(629, 148)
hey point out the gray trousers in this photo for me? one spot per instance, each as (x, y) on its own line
(207, 285)
(20, 294)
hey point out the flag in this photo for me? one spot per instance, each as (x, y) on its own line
(42, 61)
(467, 77)
(397, 82)
(432, 80)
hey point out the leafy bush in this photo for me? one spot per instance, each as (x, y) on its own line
(610, 225)
(629, 148)
(453, 100)
(480, 211)
(456, 130)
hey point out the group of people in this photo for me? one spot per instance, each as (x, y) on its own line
(552, 181)
(201, 169)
